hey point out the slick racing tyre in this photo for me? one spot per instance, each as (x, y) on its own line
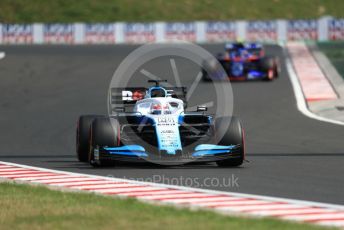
(269, 65)
(205, 76)
(211, 69)
(82, 136)
(234, 135)
(104, 132)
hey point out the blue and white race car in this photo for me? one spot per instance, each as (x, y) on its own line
(242, 62)
(158, 130)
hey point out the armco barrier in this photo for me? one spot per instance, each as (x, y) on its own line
(326, 28)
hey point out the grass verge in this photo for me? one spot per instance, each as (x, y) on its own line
(36, 207)
(23, 11)
(335, 53)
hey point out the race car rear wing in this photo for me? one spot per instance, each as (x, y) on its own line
(128, 96)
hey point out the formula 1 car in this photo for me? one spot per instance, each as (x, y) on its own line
(241, 62)
(158, 130)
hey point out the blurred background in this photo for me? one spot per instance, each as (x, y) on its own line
(21, 11)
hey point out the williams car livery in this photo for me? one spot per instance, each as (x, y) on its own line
(159, 130)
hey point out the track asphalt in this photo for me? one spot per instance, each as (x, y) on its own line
(45, 88)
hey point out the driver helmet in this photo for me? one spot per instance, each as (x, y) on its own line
(158, 92)
(159, 108)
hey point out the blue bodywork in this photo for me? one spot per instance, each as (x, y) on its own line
(199, 151)
(165, 133)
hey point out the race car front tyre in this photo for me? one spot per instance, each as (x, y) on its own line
(82, 136)
(230, 132)
(205, 76)
(209, 67)
(104, 132)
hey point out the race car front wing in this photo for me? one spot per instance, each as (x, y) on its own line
(137, 153)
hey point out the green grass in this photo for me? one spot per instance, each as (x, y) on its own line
(21, 11)
(26, 207)
(335, 53)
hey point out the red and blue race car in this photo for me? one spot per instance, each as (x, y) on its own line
(241, 62)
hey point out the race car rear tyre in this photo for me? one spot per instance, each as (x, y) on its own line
(82, 136)
(233, 135)
(104, 132)
(269, 66)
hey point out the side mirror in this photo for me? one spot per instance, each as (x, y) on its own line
(201, 108)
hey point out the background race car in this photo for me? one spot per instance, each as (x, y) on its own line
(242, 61)
(158, 130)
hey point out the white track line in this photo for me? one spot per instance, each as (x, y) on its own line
(222, 202)
(2, 55)
(300, 99)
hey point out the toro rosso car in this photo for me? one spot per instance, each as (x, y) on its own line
(158, 130)
(241, 62)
